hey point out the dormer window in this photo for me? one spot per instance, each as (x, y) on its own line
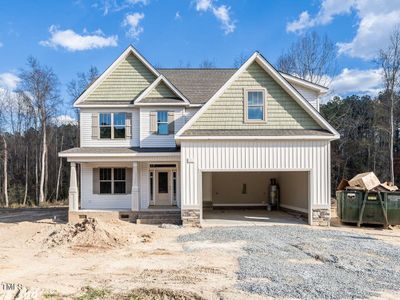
(162, 122)
(112, 125)
(254, 104)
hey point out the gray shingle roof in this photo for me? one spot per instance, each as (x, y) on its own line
(198, 85)
(161, 100)
(256, 132)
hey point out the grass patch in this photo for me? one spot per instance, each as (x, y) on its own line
(93, 294)
(52, 295)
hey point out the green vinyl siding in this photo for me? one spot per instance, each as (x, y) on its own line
(161, 91)
(125, 83)
(283, 112)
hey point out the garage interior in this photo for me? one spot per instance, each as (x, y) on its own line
(244, 196)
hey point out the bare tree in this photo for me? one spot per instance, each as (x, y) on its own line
(389, 60)
(40, 85)
(207, 64)
(83, 80)
(311, 57)
(240, 59)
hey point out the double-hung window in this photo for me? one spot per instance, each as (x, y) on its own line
(162, 122)
(112, 125)
(255, 106)
(112, 180)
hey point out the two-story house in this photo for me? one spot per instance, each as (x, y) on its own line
(179, 140)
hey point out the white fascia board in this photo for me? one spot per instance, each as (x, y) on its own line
(161, 104)
(152, 86)
(294, 137)
(100, 155)
(321, 90)
(103, 105)
(216, 95)
(98, 81)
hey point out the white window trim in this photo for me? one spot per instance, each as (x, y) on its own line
(112, 125)
(245, 105)
(112, 181)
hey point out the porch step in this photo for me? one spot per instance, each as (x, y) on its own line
(159, 217)
(159, 221)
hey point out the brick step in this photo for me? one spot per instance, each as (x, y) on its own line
(159, 221)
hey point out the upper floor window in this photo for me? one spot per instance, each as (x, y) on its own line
(112, 125)
(162, 122)
(255, 106)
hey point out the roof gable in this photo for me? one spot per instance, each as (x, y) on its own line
(161, 91)
(122, 82)
(225, 108)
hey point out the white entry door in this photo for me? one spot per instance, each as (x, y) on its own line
(163, 188)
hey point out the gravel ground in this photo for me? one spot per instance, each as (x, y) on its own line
(306, 263)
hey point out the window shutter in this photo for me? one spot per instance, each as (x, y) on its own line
(128, 125)
(153, 121)
(95, 126)
(96, 181)
(245, 106)
(171, 122)
(128, 184)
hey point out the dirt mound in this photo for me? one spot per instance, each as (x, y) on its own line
(162, 294)
(87, 234)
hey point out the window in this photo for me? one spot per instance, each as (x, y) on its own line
(174, 185)
(105, 125)
(255, 106)
(112, 181)
(163, 182)
(119, 125)
(112, 125)
(119, 181)
(162, 122)
(105, 181)
(151, 185)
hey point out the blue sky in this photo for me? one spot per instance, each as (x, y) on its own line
(71, 35)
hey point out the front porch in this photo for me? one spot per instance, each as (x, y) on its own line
(129, 186)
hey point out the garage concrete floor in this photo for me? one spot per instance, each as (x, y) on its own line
(247, 217)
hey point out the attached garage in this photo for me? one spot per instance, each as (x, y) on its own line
(251, 189)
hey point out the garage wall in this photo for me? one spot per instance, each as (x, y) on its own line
(294, 190)
(290, 155)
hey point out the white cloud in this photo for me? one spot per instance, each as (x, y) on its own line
(377, 19)
(108, 6)
(354, 81)
(9, 81)
(64, 120)
(222, 13)
(73, 41)
(178, 16)
(132, 21)
(1, 44)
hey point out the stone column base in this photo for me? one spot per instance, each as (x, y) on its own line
(321, 217)
(190, 217)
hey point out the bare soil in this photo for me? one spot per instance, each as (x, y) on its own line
(49, 259)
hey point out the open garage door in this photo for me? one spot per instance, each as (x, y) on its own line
(240, 194)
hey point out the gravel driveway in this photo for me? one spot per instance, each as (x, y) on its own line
(302, 262)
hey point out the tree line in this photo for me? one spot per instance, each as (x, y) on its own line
(32, 132)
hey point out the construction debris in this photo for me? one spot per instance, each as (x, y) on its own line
(366, 181)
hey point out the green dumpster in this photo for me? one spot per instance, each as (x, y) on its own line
(349, 204)
(392, 200)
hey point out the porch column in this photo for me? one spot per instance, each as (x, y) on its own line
(135, 186)
(73, 195)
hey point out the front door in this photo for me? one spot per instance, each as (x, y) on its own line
(163, 190)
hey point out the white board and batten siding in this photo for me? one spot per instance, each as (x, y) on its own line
(209, 156)
(90, 200)
(86, 130)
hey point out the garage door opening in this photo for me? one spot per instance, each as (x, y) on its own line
(244, 196)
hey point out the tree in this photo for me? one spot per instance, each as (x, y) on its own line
(83, 80)
(311, 57)
(389, 60)
(240, 60)
(207, 64)
(40, 84)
